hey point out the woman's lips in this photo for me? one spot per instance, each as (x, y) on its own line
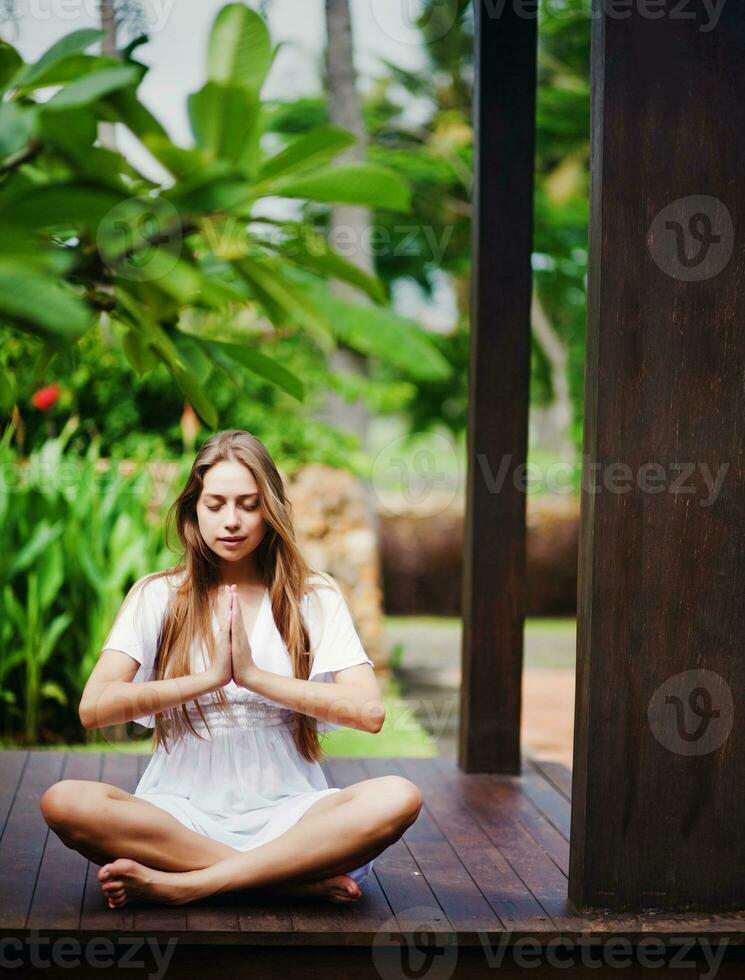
(232, 542)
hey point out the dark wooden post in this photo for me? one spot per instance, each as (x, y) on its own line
(659, 778)
(494, 559)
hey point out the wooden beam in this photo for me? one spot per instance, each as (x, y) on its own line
(658, 790)
(494, 533)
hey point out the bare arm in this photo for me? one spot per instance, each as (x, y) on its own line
(354, 702)
(110, 696)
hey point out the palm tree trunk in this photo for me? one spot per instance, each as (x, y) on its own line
(106, 132)
(350, 225)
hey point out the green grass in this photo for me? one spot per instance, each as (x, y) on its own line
(545, 624)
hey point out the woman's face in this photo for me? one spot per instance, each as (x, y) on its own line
(229, 507)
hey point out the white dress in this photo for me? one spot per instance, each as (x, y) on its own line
(248, 783)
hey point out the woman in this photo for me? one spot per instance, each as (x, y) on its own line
(237, 657)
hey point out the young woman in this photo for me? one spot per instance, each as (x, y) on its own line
(237, 657)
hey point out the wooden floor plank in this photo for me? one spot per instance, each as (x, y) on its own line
(22, 844)
(552, 804)
(58, 895)
(556, 773)
(456, 891)
(403, 882)
(12, 763)
(492, 800)
(515, 905)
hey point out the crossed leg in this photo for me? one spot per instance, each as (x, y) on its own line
(167, 862)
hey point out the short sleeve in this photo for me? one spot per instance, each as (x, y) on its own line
(136, 630)
(335, 643)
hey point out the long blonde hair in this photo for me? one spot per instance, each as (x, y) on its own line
(277, 558)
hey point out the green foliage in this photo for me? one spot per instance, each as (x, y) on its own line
(76, 537)
(436, 155)
(88, 241)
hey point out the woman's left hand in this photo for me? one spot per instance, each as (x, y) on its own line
(244, 668)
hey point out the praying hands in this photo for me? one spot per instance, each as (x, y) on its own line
(233, 657)
(244, 668)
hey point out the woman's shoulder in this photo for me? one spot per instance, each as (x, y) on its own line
(322, 585)
(155, 588)
(324, 595)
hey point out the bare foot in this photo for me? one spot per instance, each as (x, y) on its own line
(338, 888)
(124, 879)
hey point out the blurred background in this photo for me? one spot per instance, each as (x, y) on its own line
(257, 215)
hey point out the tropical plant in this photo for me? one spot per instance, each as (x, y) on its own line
(87, 238)
(76, 534)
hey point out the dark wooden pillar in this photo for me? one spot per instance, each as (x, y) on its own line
(658, 811)
(494, 559)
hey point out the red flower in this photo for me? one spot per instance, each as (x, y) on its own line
(45, 397)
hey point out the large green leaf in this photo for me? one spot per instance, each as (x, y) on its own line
(380, 332)
(366, 184)
(197, 396)
(17, 126)
(50, 309)
(124, 106)
(70, 44)
(91, 87)
(307, 151)
(70, 204)
(72, 131)
(222, 353)
(138, 353)
(71, 69)
(177, 160)
(140, 318)
(44, 535)
(307, 248)
(239, 48)
(10, 63)
(7, 396)
(213, 189)
(267, 278)
(51, 575)
(191, 352)
(225, 120)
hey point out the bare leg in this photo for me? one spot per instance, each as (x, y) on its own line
(333, 839)
(102, 822)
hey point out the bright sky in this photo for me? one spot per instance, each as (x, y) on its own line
(178, 31)
(176, 54)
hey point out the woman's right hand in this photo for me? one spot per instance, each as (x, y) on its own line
(222, 665)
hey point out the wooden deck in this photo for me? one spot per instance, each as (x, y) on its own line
(485, 863)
